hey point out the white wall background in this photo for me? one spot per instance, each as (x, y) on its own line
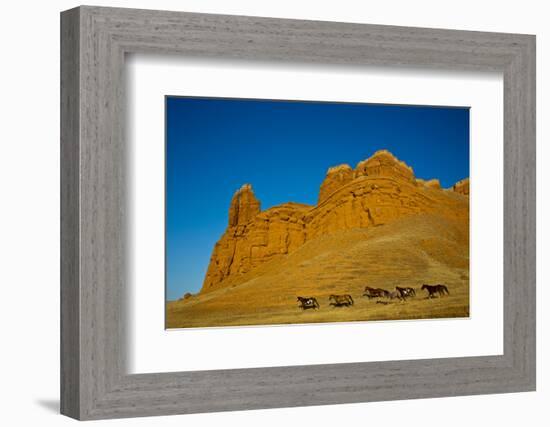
(29, 214)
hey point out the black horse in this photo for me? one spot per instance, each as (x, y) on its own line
(308, 302)
(436, 290)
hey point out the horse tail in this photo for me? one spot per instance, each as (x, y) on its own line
(351, 299)
(446, 290)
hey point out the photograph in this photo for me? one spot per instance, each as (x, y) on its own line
(294, 212)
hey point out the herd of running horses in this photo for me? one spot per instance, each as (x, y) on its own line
(399, 293)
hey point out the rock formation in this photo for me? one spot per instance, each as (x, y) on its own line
(186, 296)
(337, 176)
(385, 164)
(378, 191)
(430, 183)
(462, 187)
(244, 206)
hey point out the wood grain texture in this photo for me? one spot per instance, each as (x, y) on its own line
(70, 221)
(95, 383)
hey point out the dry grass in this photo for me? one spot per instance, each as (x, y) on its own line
(409, 252)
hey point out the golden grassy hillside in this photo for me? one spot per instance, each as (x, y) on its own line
(423, 248)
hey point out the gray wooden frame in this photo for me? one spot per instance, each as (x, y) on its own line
(94, 382)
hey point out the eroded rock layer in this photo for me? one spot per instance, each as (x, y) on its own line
(379, 190)
(462, 187)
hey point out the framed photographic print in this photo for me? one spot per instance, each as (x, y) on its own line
(319, 199)
(355, 245)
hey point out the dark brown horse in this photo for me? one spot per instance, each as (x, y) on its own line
(341, 300)
(436, 290)
(375, 293)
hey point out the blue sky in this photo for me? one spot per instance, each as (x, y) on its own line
(283, 148)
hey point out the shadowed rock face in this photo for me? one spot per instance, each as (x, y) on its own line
(378, 191)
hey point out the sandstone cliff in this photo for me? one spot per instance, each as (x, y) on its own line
(337, 177)
(430, 183)
(380, 190)
(244, 206)
(462, 187)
